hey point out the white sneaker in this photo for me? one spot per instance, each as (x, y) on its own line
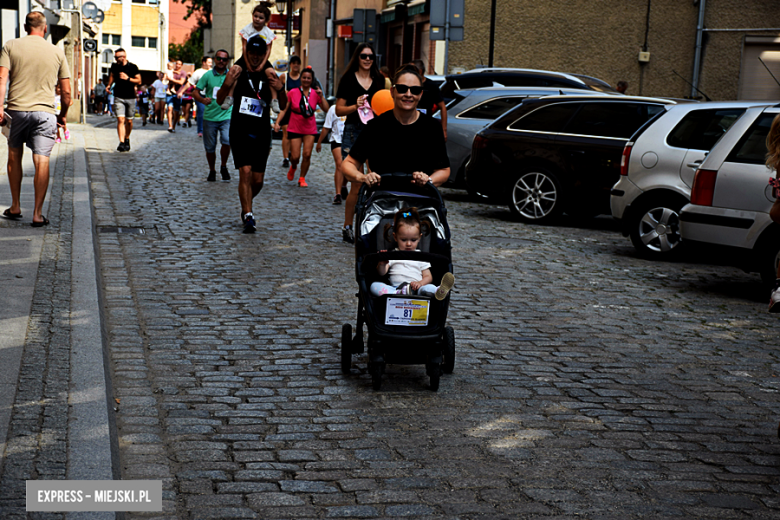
(227, 103)
(275, 106)
(774, 301)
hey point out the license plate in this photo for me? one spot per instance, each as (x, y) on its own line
(406, 312)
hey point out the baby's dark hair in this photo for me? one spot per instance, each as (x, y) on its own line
(407, 217)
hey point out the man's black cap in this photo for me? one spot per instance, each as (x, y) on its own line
(256, 45)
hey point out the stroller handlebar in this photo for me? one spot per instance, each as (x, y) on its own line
(401, 181)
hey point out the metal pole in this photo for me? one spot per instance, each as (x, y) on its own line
(332, 57)
(492, 31)
(697, 51)
(82, 66)
(446, 36)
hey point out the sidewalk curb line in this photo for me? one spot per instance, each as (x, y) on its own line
(92, 450)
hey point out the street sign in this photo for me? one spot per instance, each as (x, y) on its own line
(89, 10)
(90, 45)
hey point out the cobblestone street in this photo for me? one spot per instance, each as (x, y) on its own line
(588, 382)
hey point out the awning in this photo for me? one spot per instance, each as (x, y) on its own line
(412, 8)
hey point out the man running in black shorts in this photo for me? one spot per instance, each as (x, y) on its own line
(250, 122)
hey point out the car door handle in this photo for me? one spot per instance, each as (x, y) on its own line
(694, 164)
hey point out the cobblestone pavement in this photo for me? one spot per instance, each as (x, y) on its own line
(588, 382)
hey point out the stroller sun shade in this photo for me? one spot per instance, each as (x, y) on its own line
(392, 202)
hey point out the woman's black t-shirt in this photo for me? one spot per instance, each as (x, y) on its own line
(350, 89)
(390, 147)
(251, 116)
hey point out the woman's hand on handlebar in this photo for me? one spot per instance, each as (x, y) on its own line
(420, 178)
(372, 179)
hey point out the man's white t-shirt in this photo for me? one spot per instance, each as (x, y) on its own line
(197, 75)
(335, 124)
(249, 31)
(159, 89)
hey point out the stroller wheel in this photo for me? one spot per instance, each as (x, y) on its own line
(346, 348)
(434, 372)
(449, 351)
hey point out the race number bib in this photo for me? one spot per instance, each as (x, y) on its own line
(214, 92)
(401, 311)
(250, 107)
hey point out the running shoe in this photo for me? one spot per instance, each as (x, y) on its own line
(285, 163)
(58, 140)
(67, 134)
(225, 173)
(302, 183)
(404, 288)
(774, 301)
(227, 103)
(212, 176)
(249, 223)
(337, 199)
(200, 134)
(291, 173)
(447, 281)
(121, 147)
(275, 106)
(170, 130)
(127, 144)
(348, 235)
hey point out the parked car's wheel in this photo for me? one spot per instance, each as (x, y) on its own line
(536, 196)
(655, 227)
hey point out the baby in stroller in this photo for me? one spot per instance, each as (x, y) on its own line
(409, 277)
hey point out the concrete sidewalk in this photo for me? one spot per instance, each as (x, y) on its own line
(54, 400)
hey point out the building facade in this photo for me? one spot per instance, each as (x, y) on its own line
(141, 28)
(604, 38)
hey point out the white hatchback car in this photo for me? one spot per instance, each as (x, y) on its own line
(657, 170)
(731, 197)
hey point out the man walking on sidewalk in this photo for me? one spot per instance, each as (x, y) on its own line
(30, 68)
(124, 76)
(215, 119)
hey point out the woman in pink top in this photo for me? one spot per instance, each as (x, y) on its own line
(302, 129)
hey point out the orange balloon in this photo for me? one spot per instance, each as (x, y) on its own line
(382, 102)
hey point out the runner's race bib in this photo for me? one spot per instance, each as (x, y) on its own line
(214, 94)
(250, 107)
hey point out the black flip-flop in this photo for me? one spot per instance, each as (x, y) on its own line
(11, 216)
(41, 224)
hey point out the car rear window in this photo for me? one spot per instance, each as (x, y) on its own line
(701, 129)
(550, 118)
(617, 120)
(751, 148)
(492, 108)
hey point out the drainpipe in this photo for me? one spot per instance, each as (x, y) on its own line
(332, 45)
(697, 50)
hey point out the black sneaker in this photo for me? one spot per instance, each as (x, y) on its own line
(171, 130)
(127, 144)
(249, 223)
(212, 176)
(122, 147)
(225, 173)
(337, 199)
(285, 163)
(347, 234)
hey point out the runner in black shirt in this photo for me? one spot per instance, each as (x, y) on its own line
(401, 140)
(124, 76)
(250, 122)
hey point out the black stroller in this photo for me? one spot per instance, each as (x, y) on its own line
(401, 329)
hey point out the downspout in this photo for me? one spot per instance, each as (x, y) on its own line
(697, 50)
(332, 53)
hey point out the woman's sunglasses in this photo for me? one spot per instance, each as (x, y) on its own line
(403, 89)
(369, 57)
